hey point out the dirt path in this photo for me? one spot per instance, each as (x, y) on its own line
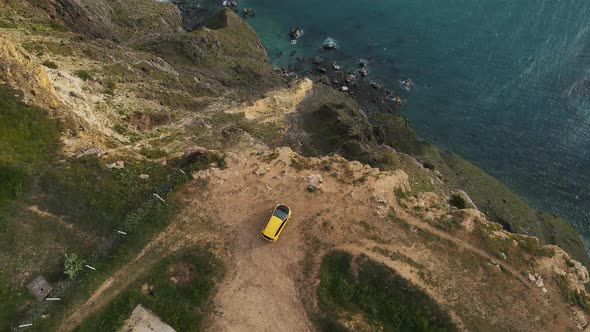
(87, 238)
(165, 243)
(460, 243)
(262, 287)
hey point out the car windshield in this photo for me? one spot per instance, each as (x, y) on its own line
(280, 214)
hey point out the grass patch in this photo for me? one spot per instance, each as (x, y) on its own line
(153, 153)
(7, 25)
(270, 156)
(109, 86)
(28, 138)
(142, 218)
(12, 300)
(449, 225)
(387, 301)
(396, 256)
(518, 253)
(367, 227)
(95, 198)
(85, 75)
(182, 303)
(572, 296)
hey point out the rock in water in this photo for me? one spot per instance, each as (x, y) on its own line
(330, 44)
(296, 33)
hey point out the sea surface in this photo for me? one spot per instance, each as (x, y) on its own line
(504, 83)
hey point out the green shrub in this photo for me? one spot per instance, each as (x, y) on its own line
(109, 87)
(429, 165)
(84, 74)
(73, 265)
(458, 202)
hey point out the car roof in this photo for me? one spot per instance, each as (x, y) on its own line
(272, 226)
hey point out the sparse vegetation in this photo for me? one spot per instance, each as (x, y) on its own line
(7, 25)
(153, 153)
(50, 64)
(109, 86)
(387, 301)
(398, 257)
(85, 75)
(449, 224)
(270, 156)
(572, 296)
(177, 289)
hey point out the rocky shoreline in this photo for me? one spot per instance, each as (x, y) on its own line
(380, 106)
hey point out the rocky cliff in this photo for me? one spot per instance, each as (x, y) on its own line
(132, 124)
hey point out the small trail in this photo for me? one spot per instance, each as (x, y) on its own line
(402, 270)
(87, 238)
(461, 244)
(263, 280)
(110, 288)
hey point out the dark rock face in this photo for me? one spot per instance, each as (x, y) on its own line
(195, 14)
(75, 14)
(115, 20)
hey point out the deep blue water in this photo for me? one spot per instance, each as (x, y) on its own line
(504, 83)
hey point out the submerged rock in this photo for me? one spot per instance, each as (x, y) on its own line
(249, 12)
(330, 44)
(317, 60)
(296, 33)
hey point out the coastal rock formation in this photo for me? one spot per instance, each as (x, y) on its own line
(185, 139)
(19, 70)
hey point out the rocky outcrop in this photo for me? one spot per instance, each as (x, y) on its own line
(116, 20)
(334, 123)
(22, 72)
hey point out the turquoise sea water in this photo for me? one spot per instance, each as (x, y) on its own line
(504, 83)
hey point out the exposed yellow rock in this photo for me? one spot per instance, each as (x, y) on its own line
(21, 71)
(277, 103)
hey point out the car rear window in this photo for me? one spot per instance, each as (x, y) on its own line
(280, 214)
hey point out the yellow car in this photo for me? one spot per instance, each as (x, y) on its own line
(276, 223)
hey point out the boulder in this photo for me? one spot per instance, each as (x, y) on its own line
(117, 165)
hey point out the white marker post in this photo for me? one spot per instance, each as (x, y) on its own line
(25, 325)
(121, 232)
(90, 267)
(53, 299)
(160, 198)
(181, 171)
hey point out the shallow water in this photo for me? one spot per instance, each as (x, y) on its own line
(504, 83)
